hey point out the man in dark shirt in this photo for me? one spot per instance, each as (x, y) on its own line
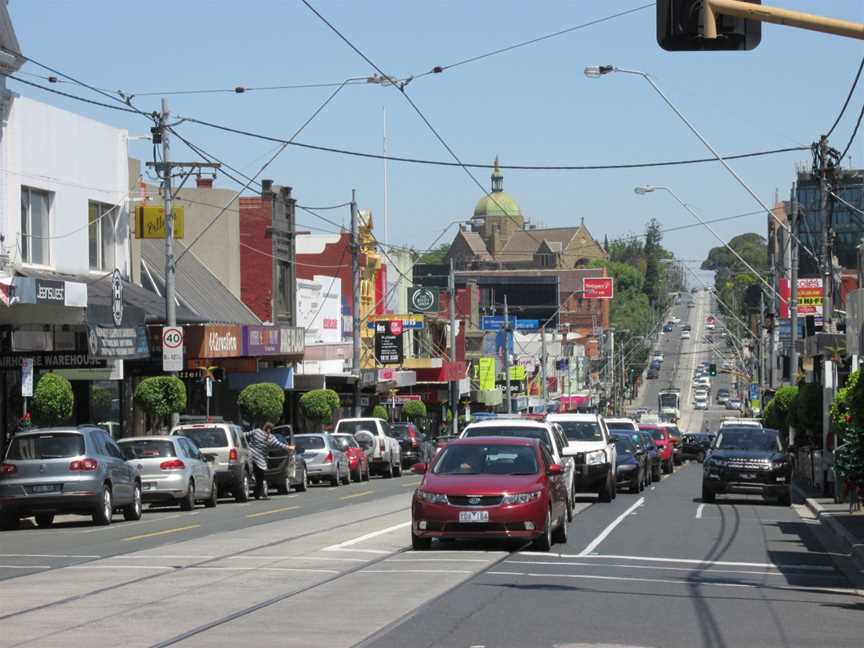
(260, 441)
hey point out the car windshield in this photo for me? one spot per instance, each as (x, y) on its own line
(304, 443)
(750, 438)
(146, 449)
(399, 431)
(209, 437)
(657, 435)
(353, 427)
(46, 446)
(497, 459)
(624, 445)
(526, 432)
(614, 426)
(582, 430)
(344, 441)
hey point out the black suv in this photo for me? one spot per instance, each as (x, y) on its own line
(747, 459)
(695, 446)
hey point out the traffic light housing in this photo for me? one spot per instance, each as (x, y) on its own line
(712, 369)
(679, 28)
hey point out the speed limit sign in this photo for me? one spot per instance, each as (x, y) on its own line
(172, 348)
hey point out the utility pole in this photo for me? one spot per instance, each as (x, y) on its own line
(761, 339)
(355, 297)
(611, 367)
(793, 287)
(507, 356)
(772, 303)
(544, 389)
(453, 384)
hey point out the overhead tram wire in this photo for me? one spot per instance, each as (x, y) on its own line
(848, 98)
(854, 133)
(72, 96)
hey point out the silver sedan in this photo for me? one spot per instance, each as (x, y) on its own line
(323, 459)
(173, 470)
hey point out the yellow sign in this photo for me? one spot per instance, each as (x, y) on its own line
(517, 372)
(487, 373)
(150, 222)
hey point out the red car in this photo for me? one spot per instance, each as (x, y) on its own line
(491, 487)
(665, 445)
(358, 460)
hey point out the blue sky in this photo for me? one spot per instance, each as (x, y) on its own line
(529, 106)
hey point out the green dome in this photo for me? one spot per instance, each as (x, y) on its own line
(497, 203)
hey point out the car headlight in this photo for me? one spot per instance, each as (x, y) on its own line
(432, 498)
(521, 498)
(595, 458)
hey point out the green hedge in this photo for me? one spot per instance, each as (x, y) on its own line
(777, 411)
(379, 411)
(414, 409)
(318, 405)
(261, 402)
(806, 415)
(52, 401)
(161, 396)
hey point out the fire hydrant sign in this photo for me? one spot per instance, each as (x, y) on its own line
(597, 288)
(172, 348)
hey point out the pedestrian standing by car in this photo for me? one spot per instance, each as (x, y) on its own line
(260, 440)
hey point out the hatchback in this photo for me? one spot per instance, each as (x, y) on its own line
(172, 469)
(358, 460)
(664, 446)
(233, 463)
(323, 458)
(491, 487)
(78, 470)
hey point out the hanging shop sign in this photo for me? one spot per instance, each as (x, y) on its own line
(126, 342)
(388, 342)
(292, 340)
(49, 291)
(26, 377)
(424, 300)
(214, 341)
(261, 340)
(150, 222)
(486, 370)
(409, 322)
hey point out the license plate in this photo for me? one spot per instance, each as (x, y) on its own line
(45, 488)
(474, 516)
(748, 476)
(149, 485)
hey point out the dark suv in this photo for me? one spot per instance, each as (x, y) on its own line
(747, 460)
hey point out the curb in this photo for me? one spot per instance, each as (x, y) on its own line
(848, 542)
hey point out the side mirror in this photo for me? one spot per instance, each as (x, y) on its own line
(555, 469)
(419, 469)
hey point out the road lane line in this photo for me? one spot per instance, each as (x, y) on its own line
(369, 551)
(412, 483)
(161, 533)
(25, 566)
(416, 571)
(368, 536)
(126, 525)
(690, 561)
(603, 534)
(658, 568)
(360, 494)
(272, 511)
(699, 510)
(14, 555)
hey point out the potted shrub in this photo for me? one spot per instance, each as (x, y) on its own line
(379, 411)
(414, 410)
(52, 400)
(261, 402)
(160, 397)
(317, 406)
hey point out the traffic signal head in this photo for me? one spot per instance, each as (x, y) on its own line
(712, 369)
(680, 28)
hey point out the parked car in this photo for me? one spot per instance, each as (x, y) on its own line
(233, 463)
(722, 396)
(694, 446)
(652, 373)
(285, 470)
(323, 458)
(685, 335)
(668, 327)
(734, 403)
(358, 460)
(747, 459)
(675, 436)
(491, 487)
(664, 446)
(411, 443)
(630, 462)
(373, 435)
(172, 470)
(78, 470)
(550, 435)
(593, 450)
(652, 453)
(700, 401)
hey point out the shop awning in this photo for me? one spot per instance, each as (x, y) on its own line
(282, 376)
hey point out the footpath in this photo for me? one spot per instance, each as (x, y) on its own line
(847, 527)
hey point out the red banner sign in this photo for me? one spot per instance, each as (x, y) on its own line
(597, 288)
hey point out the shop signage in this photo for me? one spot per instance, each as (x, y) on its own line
(150, 222)
(809, 296)
(128, 342)
(214, 341)
(368, 377)
(388, 342)
(409, 322)
(117, 298)
(228, 365)
(486, 370)
(114, 371)
(172, 348)
(49, 291)
(517, 372)
(423, 300)
(597, 288)
(454, 370)
(496, 322)
(261, 340)
(292, 340)
(26, 377)
(53, 361)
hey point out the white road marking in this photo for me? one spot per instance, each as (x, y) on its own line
(368, 551)
(654, 567)
(368, 536)
(14, 555)
(653, 488)
(25, 566)
(603, 534)
(690, 561)
(416, 571)
(209, 568)
(442, 560)
(699, 510)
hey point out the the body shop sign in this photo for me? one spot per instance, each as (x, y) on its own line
(261, 340)
(214, 341)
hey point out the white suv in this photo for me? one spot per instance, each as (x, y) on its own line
(593, 450)
(373, 435)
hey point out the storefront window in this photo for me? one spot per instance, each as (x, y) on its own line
(105, 405)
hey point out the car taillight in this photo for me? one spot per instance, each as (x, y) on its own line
(381, 444)
(86, 465)
(232, 454)
(413, 442)
(8, 469)
(174, 464)
(328, 458)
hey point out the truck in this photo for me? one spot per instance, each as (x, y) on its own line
(669, 404)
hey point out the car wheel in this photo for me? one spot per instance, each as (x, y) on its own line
(358, 474)
(785, 499)
(304, 482)
(187, 503)
(559, 535)
(388, 470)
(241, 489)
(636, 486)
(419, 543)
(667, 467)
(133, 510)
(606, 489)
(105, 511)
(708, 495)
(336, 481)
(214, 496)
(44, 519)
(9, 521)
(570, 506)
(284, 487)
(397, 468)
(544, 542)
(700, 457)
(368, 476)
